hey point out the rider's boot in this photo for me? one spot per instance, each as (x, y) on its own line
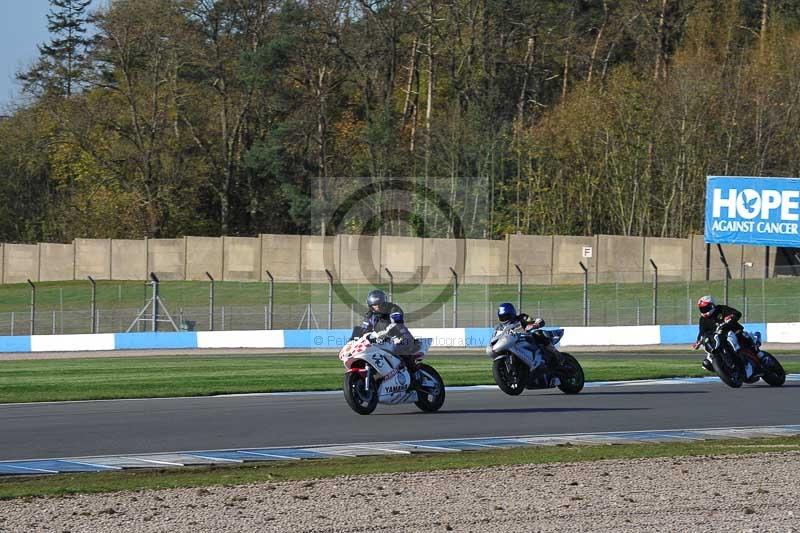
(707, 364)
(412, 367)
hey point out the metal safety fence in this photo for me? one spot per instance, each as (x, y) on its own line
(585, 298)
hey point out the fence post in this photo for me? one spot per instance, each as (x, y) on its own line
(270, 299)
(330, 298)
(154, 316)
(210, 302)
(745, 266)
(727, 276)
(93, 307)
(519, 288)
(585, 293)
(638, 312)
(455, 297)
(655, 292)
(33, 307)
(391, 284)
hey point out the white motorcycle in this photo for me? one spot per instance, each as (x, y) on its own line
(520, 362)
(376, 375)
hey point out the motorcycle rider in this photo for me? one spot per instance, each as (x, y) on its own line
(386, 320)
(507, 314)
(713, 315)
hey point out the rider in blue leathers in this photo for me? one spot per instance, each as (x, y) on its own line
(507, 314)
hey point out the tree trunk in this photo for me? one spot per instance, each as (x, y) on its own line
(661, 42)
(597, 39)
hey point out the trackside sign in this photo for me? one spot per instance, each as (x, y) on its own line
(759, 211)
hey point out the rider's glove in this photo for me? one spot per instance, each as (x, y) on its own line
(696, 345)
(728, 318)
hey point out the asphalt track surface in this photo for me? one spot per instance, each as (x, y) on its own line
(74, 429)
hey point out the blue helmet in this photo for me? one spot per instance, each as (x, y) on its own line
(506, 312)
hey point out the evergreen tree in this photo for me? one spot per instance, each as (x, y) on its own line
(60, 60)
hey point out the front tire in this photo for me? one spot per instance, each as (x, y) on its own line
(731, 374)
(774, 374)
(361, 401)
(572, 368)
(510, 374)
(435, 399)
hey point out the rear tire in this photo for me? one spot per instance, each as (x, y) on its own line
(774, 374)
(361, 401)
(732, 376)
(571, 366)
(511, 376)
(431, 402)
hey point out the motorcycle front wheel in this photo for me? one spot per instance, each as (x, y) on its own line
(434, 398)
(573, 382)
(510, 374)
(728, 370)
(774, 374)
(360, 400)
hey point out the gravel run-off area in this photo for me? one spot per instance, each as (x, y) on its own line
(719, 493)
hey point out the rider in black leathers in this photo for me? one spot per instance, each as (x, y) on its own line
(712, 316)
(387, 321)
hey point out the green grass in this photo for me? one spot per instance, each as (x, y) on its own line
(316, 469)
(193, 375)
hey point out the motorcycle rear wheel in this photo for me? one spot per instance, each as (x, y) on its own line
(361, 401)
(774, 374)
(574, 383)
(431, 402)
(511, 380)
(731, 375)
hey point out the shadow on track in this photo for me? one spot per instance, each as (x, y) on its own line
(626, 392)
(523, 410)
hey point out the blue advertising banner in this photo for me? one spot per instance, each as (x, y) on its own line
(757, 211)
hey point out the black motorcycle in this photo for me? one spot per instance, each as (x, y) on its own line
(748, 365)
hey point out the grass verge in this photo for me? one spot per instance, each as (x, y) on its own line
(192, 375)
(325, 468)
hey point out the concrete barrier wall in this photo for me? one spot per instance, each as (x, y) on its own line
(128, 259)
(567, 253)
(403, 257)
(20, 263)
(166, 258)
(439, 255)
(203, 254)
(56, 261)
(359, 259)
(672, 256)
(317, 254)
(93, 258)
(620, 259)
(534, 255)
(363, 259)
(485, 261)
(280, 254)
(242, 259)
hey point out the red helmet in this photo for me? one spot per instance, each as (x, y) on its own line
(706, 305)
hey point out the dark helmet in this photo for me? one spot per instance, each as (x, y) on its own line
(506, 312)
(706, 306)
(376, 297)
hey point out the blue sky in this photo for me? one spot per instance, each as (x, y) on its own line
(22, 26)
